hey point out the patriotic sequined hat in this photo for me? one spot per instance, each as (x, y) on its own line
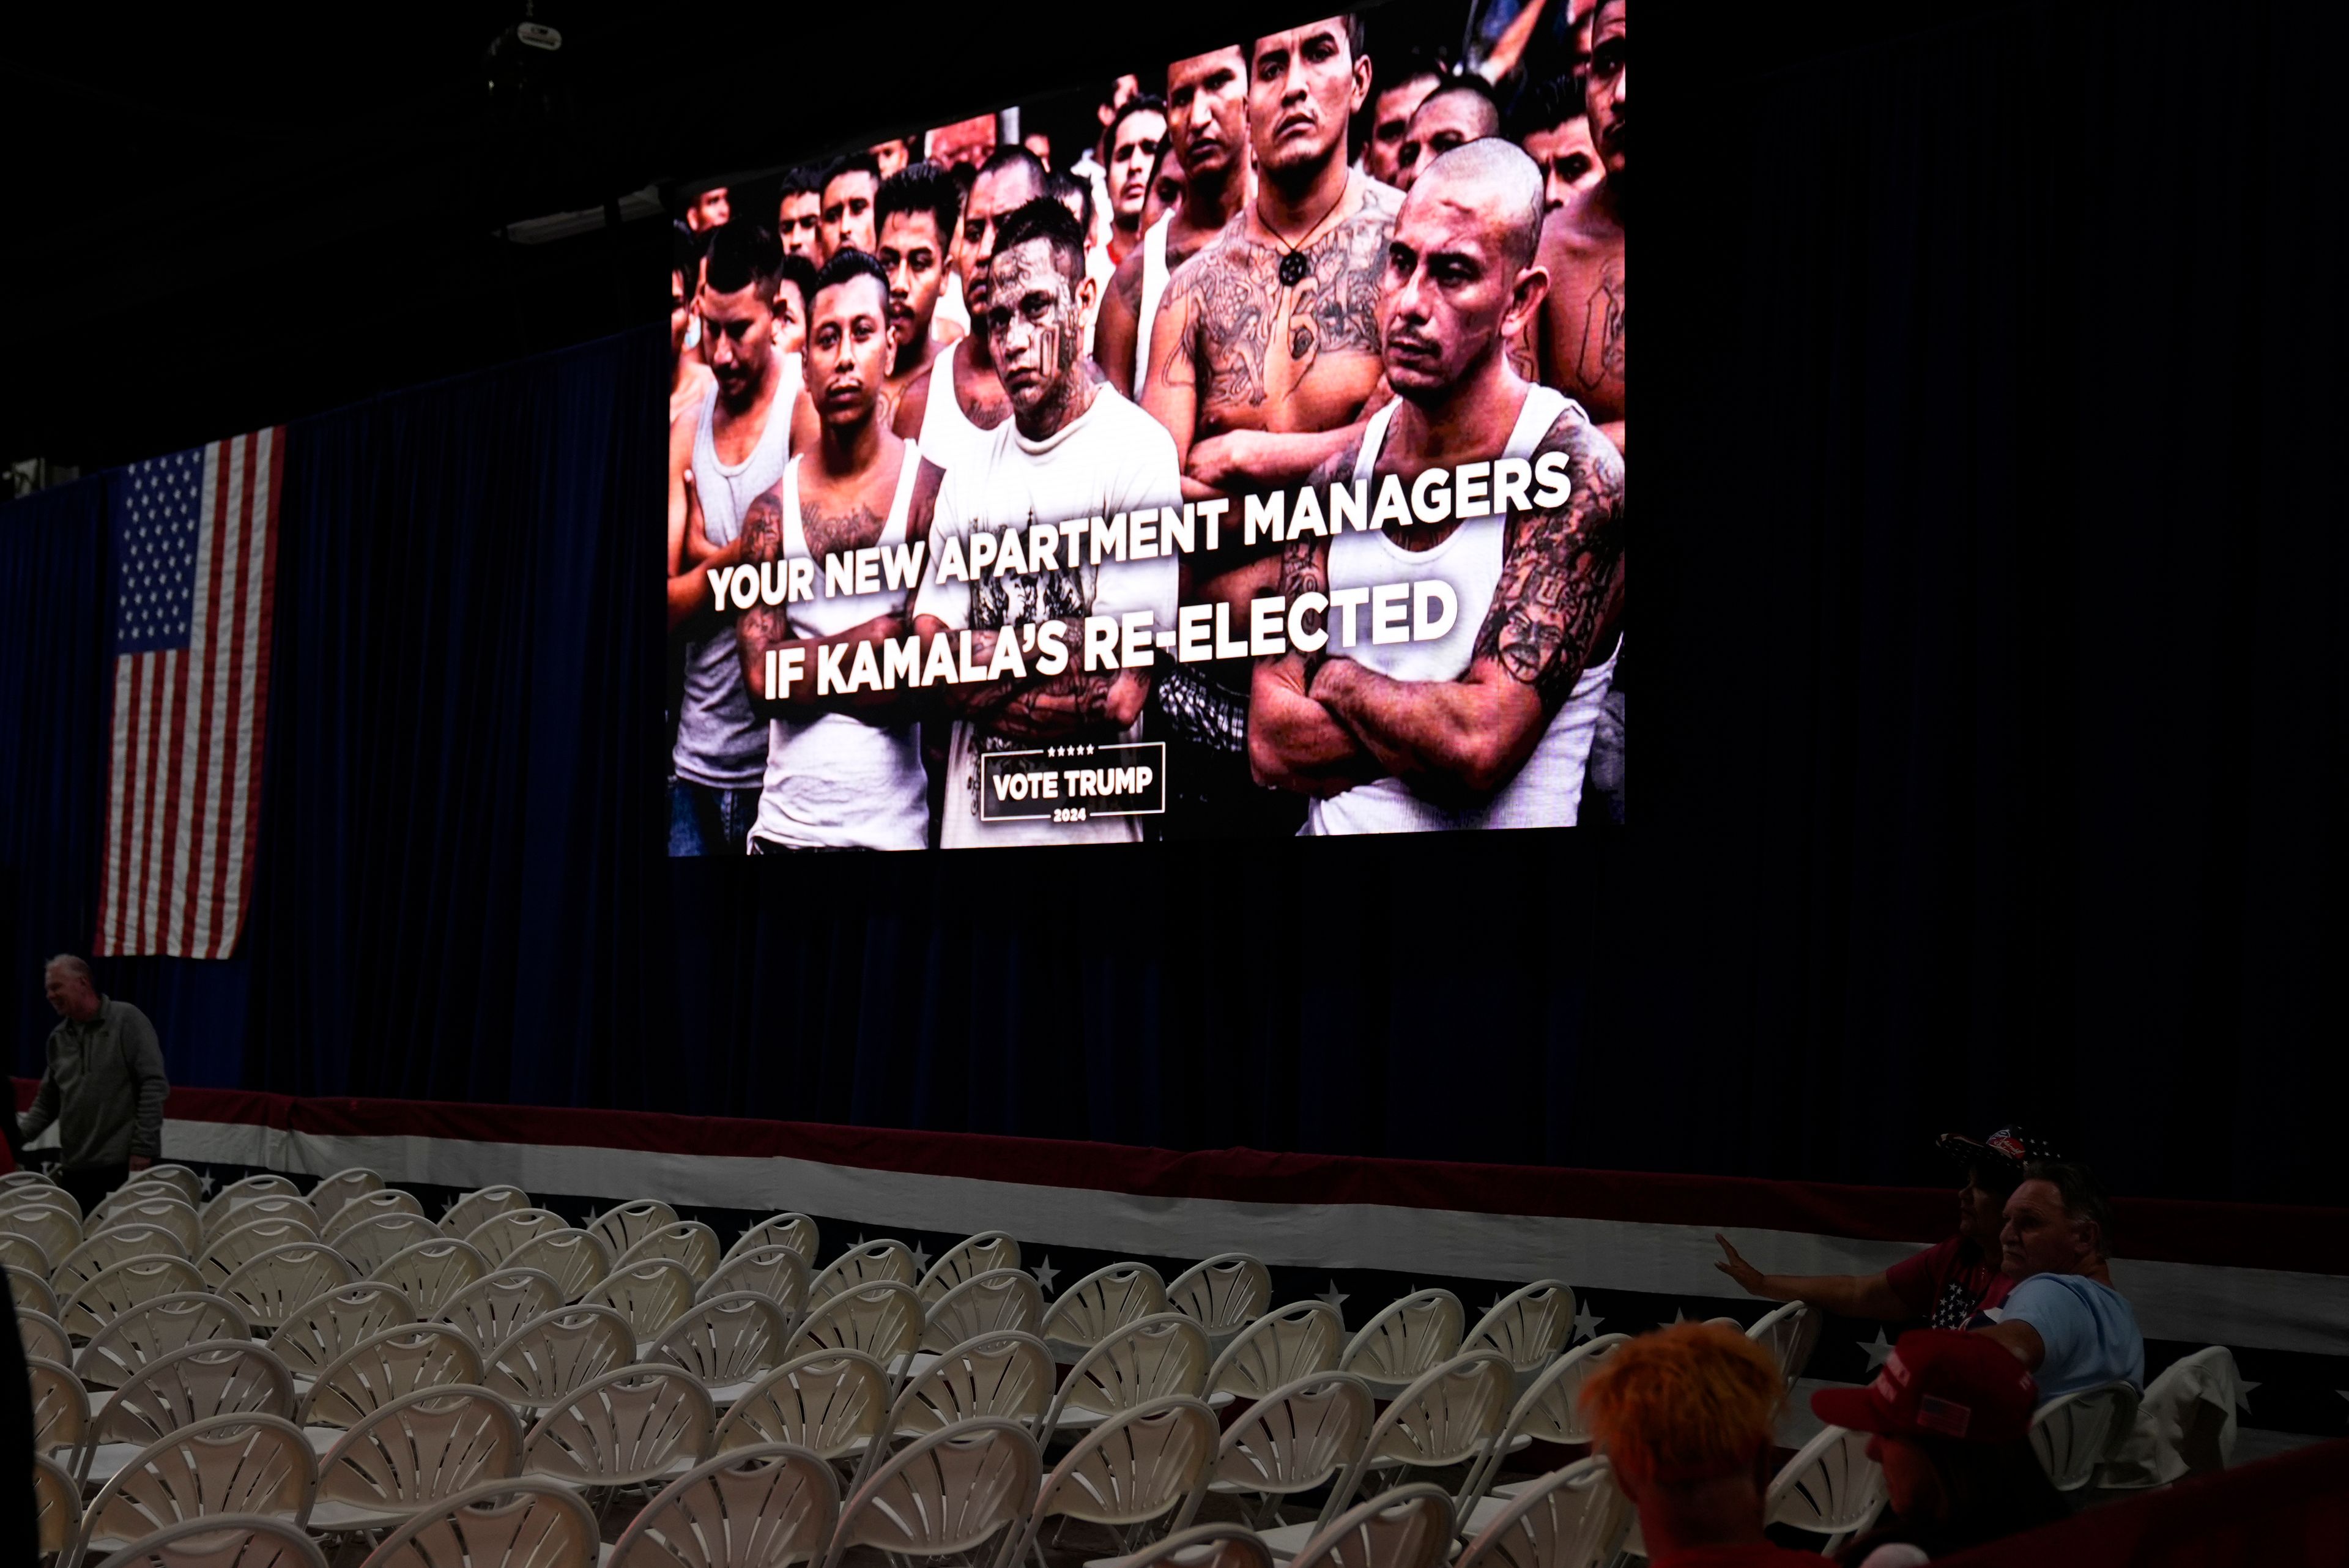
(1939, 1382)
(2009, 1145)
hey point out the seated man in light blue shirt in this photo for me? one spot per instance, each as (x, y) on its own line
(2062, 1319)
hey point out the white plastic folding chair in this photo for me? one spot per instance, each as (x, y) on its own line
(431, 1272)
(1572, 1518)
(366, 1206)
(262, 1184)
(418, 1450)
(769, 1506)
(269, 1285)
(1278, 1348)
(832, 1404)
(224, 1541)
(1001, 1373)
(57, 1508)
(1788, 1333)
(1101, 1303)
(235, 1464)
(40, 1334)
(865, 1263)
(373, 1241)
(102, 1250)
(1829, 1488)
(1406, 1338)
(796, 1232)
(61, 1409)
(383, 1368)
(1303, 1435)
(1221, 1544)
(498, 1237)
(214, 1378)
(947, 1494)
(316, 1333)
(573, 1260)
(631, 1425)
(548, 1358)
(623, 1225)
(1138, 1467)
(1410, 1527)
(2074, 1433)
(728, 1343)
(1551, 1411)
(24, 1253)
(190, 1185)
(240, 1244)
(123, 1203)
(522, 1523)
(775, 1271)
(326, 1198)
(165, 1208)
(499, 1303)
(1223, 1295)
(651, 1295)
(971, 1256)
(30, 1291)
(483, 1204)
(45, 1216)
(220, 1219)
(152, 1330)
(686, 1242)
(1158, 1356)
(884, 1320)
(1529, 1326)
(998, 1301)
(111, 1291)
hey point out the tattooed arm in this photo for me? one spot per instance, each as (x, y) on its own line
(1119, 322)
(1170, 393)
(763, 626)
(1560, 592)
(691, 557)
(1293, 742)
(1037, 707)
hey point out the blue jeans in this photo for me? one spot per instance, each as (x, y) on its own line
(706, 821)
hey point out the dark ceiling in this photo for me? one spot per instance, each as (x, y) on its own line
(220, 218)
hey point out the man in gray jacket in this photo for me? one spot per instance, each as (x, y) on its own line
(104, 1085)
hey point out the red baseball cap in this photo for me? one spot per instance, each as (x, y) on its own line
(1941, 1383)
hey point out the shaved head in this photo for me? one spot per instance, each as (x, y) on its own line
(1494, 178)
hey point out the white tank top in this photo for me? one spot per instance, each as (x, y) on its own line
(719, 742)
(1153, 289)
(835, 782)
(1547, 791)
(947, 435)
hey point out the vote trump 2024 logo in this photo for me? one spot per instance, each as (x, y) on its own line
(1074, 783)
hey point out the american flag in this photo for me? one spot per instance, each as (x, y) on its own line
(195, 557)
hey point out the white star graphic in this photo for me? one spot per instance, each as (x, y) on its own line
(1878, 1351)
(921, 1261)
(1585, 1323)
(1334, 1297)
(1678, 1316)
(2243, 1394)
(1045, 1273)
(205, 1184)
(449, 1207)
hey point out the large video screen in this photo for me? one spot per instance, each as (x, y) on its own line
(1230, 449)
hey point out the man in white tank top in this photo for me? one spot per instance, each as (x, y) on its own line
(1206, 128)
(950, 406)
(1490, 725)
(843, 771)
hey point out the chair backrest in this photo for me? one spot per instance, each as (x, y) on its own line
(1410, 1527)
(133, 1189)
(56, 1507)
(29, 1290)
(1573, 1518)
(1829, 1488)
(1528, 1326)
(269, 1285)
(998, 1301)
(1103, 1302)
(262, 1184)
(1225, 1543)
(1150, 1462)
(2074, 1433)
(866, 1263)
(773, 1271)
(431, 1272)
(363, 1207)
(686, 1242)
(1000, 1374)
(421, 1447)
(1450, 1414)
(326, 1198)
(178, 1390)
(1787, 1333)
(1421, 1331)
(190, 1186)
(572, 1259)
(552, 1355)
(228, 1540)
(1551, 1411)
(1224, 1293)
(163, 1207)
(318, 1331)
(627, 1427)
(1298, 1436)
(383, 1367)
(37, 1215)
(831, 1403)
(499, 1303)
(521, 1523)
(378, 1238)
(231, 1249)
(221, 1218)
(884, 1320)
(102, 1250)
(763, 1507)
(796, 1232)
(971, 1256)
(60, 1408)
(483, 1203)
(40, 1334)
(111, 1291)
(154, 1328)
(942, 1494)
(236, 1464)
(727, 1339)
(1278, 1348)
(497, 1237)
(651, 1295)
(1163, 1355)
(24, 1253)
(623, 1225)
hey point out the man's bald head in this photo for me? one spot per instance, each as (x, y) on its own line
(1494, 178)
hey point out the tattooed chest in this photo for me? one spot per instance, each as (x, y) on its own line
(1265, 344)
(831, 529)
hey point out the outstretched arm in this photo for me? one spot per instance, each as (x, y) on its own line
(1849, 1296)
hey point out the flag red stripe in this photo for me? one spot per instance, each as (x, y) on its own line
(267, 512)
(216, 651)
(200, 674)
(235, 614)
(117, 869)
(142, 681)
(156, 905)
(174, 873)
